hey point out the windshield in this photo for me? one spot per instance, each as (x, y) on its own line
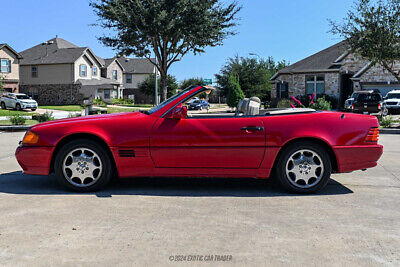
(392, 96)
(369, 97)
(169, 100)
(22, 97)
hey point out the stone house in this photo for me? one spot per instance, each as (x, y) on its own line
(136, 70)
(58, 72)
(9, 68)
(334, 71)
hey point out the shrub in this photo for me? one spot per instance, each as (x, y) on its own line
(284, 103)
(99, 102)
(321, 104)
(386, 121)
(17, 120)
(47, 116)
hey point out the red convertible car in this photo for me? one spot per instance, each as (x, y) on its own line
(300, 147)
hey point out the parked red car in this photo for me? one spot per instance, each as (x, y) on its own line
(302, 147)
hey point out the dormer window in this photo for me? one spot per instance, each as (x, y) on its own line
(115, 74)
(83, 70)
(94, 71)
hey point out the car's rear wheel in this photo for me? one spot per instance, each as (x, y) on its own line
(33, 109)
(18, 107)
(83, 165)
(3, 105)
(303, 167)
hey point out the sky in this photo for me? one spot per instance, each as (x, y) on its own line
(284, 29)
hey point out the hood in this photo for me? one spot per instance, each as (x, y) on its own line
(88, 118)
(392, 100)
(27, 101)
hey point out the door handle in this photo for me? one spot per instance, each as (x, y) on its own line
(253, 128)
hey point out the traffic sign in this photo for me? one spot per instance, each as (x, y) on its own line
(207, 82)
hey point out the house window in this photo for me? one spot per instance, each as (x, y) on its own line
(282, 90)
(83, 70)
(5, 66)
(115, 74)
(94, 71)
(34, 71)
(315, 84)
(106, 93)
(129, 78)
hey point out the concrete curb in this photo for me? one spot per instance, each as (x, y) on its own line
(14, 128)
(389, 131)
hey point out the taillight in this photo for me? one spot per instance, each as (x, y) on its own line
(373, 135)
(352, 106)
(379, 106)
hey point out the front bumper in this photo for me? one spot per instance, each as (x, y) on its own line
(352, 158)
(34, 160)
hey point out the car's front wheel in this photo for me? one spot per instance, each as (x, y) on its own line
(303, 167)
(18, 107)
(83, 165)
(33, 109)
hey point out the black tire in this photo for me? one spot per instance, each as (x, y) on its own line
(106, 161)
(18, 107)
(33, 109)
(3, 105)
(283, 178)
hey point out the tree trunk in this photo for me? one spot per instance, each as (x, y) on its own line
(163, 84)
(392, 71)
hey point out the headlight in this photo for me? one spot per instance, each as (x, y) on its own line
(30, 138)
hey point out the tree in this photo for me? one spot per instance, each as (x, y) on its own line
(235, 93)
(372, 31)
(148, 85)
(168, 28)
(254, 75)
(191, 82)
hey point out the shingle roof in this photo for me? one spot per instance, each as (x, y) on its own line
(11, 49)
(54, 51)
(137, 65)
(322, 60)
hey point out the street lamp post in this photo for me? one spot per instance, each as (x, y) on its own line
(156, 85)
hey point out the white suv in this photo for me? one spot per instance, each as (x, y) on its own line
(392, 101)
(18, 102)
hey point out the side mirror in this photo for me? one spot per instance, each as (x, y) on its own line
(177, 113)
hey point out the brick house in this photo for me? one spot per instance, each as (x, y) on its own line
(59, 72)
(9, 68)
(334, 71)
(136, 70)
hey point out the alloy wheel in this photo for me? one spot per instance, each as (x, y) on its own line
(304, 168)
(82, 167)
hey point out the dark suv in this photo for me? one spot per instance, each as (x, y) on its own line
(370, 101)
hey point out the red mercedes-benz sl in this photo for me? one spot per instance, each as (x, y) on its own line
(300, 147)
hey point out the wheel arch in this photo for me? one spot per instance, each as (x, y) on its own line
(74, 136)
(315, 140)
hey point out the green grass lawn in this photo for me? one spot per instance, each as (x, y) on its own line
(27, 122)
(118, 110)
(137, 105)
(9, 112)
(64, 108)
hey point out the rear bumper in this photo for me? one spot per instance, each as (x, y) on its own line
(352, 158)
(34, 160)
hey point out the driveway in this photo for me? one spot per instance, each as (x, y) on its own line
(150, 222)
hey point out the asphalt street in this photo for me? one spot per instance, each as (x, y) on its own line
(153, 222)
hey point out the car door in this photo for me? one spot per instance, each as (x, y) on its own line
(234, 142)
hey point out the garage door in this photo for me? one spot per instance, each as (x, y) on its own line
(383, 88)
